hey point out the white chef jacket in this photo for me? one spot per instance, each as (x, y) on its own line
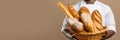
(105, 11)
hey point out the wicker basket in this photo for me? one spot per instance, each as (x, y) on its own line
(90, 36)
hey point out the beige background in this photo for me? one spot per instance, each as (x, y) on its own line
(39, 19)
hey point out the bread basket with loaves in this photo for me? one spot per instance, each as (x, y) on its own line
(92, 30)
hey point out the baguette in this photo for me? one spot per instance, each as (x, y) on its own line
(61, 5)
(86, 19)
(97, 19)
(97, 16)
(84, 9)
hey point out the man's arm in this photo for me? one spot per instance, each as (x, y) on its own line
(66, 31)
(110, 23)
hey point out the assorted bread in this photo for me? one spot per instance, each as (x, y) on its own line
(92, 23)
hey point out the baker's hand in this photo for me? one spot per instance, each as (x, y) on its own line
(77, 25)
(108, 34)
(68, 34)
(73, 37)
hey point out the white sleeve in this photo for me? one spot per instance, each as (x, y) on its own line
(65, 25)
(110, 22)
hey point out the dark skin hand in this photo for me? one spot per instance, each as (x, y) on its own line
(108, 34)
(71, 37)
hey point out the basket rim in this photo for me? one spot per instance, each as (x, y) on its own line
(94, 33)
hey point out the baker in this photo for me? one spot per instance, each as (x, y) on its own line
(105, 11)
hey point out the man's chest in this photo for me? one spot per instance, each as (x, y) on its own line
(91, 8)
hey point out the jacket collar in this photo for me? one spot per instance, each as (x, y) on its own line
(83, 2)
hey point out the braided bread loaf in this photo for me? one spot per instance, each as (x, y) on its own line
(97, 19)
